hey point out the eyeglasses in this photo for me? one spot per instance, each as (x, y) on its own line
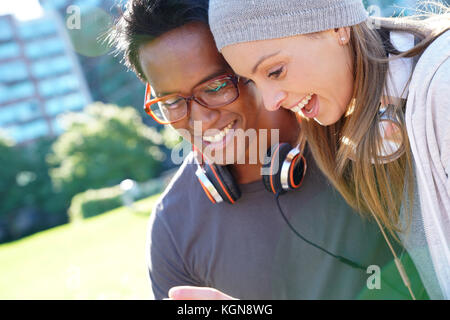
(213, 94)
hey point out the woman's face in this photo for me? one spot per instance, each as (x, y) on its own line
(308, 74)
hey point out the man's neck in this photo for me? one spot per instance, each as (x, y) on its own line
(246, 173)
(289, 131)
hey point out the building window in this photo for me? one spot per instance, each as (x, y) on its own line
(42, 48)
(19, 112)
(28, 131)
(58, 86)
(20, 90)
(5, 30)
(36, 28)
(14, 71)
(49, 67)
(9, 50)
(71, 102)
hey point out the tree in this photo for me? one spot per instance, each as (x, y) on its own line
(39, 187)
(12, 162)
(101, 147)
(28, 202)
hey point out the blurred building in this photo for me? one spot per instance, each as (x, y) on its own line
(40, 77)
(108, 79)
(389, 8)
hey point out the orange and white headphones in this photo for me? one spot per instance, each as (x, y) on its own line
(220, 186)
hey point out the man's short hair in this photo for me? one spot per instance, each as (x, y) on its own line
(146, 20)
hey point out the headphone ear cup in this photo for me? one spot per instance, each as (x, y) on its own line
(297, 172)
(223, 181)
(273, 162)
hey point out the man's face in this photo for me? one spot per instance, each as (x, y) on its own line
(179, 61)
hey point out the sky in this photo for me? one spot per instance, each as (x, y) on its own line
(22, 9)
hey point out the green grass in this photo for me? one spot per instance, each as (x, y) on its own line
(99, 258)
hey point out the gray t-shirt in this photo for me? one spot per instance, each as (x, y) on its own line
(247, 250)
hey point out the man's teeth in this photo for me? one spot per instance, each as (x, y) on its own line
(218, 137)
(302, 104)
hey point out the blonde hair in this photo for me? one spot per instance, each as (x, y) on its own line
(369, 184)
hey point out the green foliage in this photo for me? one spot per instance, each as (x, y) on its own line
(171, 137)
(94, 202)
(40, 188)
(103, 146)
(26, 190)
(24, 179)
(12, 162)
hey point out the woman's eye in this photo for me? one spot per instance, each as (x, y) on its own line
(275, 74)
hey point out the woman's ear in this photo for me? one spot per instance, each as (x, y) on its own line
(342, 35)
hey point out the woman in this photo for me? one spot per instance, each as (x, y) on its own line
(372, 97)
(347, 77)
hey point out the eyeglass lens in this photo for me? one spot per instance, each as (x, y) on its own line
(213, 94)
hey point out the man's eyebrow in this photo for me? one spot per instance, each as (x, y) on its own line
(263, 58)
(208, 77)
(213, 75)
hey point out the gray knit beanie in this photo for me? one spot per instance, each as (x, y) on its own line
(233, 21)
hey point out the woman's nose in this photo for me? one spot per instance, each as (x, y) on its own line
(273, 100)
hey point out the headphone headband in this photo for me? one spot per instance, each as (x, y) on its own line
(285, 168)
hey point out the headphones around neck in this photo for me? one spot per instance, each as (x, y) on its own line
(283, 169)
(220, 186)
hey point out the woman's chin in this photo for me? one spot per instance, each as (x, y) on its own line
(326, 120)
(319, 122)
(323, 121)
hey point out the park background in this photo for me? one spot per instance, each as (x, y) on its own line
(81, 164)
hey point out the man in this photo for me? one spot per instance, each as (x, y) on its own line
(245, 249)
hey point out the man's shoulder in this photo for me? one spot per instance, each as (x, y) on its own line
(182, 178)
(181, 194)
(181, 182)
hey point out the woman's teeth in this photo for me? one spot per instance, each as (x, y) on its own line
(302, 104)
(218, 137)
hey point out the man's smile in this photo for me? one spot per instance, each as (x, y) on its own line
(213, 137)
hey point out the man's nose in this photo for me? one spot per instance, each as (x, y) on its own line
(201, 113)
(273, 99)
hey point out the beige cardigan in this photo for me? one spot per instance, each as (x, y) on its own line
(428, 126)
